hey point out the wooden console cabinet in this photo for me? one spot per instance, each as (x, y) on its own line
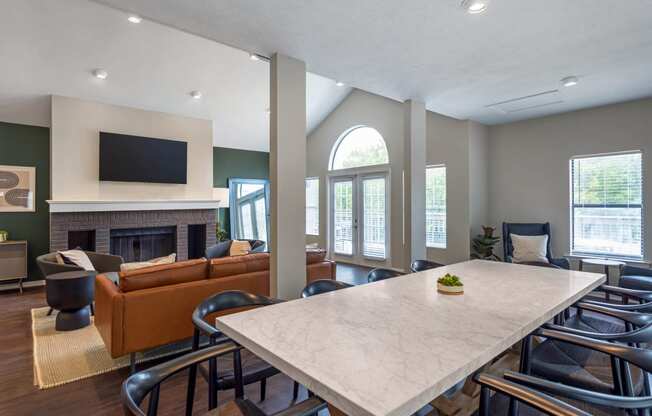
(13, 262)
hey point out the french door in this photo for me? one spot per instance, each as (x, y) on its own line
(359, 217)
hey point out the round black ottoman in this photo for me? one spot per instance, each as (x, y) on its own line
(71, 293)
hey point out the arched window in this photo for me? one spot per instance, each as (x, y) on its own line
(357, 147)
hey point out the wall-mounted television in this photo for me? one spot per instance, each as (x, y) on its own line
(125, 158)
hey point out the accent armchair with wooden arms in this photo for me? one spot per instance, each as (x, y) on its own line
(530, 229)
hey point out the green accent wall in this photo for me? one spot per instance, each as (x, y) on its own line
(236, 163)
(22, 145)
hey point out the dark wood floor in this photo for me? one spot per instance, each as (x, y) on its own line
(352, 273)
(98, 395)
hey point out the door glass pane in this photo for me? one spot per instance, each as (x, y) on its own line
(374, 217)
(343, 217)
(247, 222)
(261, 218)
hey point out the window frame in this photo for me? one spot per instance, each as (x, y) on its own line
(340, 140)
(314, 178)
(573, 206)
(435, 245)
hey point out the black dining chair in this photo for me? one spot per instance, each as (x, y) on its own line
(323, 286)
(147, 383)
(382, 274)
(421, 265)
(580, 365)
(255, 369)
(536, 392)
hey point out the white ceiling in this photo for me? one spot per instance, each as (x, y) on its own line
(433, 50)
(48, 48)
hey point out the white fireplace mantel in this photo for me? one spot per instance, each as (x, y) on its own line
(148, 205)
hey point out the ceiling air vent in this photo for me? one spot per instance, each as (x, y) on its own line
(529, 102)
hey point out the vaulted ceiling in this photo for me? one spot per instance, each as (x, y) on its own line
(459, 64)
(52, 47)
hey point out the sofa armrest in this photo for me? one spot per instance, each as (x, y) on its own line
(322, 270)
(105, 262)
(561, 262)
(635, 271)
(109, 314)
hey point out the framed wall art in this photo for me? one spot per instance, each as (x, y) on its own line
(17, 188)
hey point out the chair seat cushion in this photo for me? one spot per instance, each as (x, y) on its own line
(636, 282)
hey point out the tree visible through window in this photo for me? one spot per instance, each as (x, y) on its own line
(436, 206)
(607, 205)
(360, 146)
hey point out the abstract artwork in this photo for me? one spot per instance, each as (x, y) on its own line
(17, 188)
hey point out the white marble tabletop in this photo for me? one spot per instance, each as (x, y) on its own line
(390, 347)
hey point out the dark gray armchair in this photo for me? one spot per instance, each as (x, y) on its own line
(530, 229)
(638, 278)
(103, 263)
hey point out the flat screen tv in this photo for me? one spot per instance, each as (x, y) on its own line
(125, 158)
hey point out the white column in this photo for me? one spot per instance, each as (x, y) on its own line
(414, 172)
(287, 176)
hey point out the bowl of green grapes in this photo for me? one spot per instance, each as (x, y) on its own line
(450, 284)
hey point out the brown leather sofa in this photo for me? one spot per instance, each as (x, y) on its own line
(151, 307)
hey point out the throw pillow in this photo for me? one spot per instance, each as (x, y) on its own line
(239, 248)
(149, 263)
(529, 248)
(219, 250)
(77, 258)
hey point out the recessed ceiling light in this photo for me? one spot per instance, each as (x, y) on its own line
(339, 83)
(100, 73)
(135, 18)
(195, 94)
(570, 81)
(475, 6)
(254, 57)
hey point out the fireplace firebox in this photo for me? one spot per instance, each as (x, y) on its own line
(141, 244)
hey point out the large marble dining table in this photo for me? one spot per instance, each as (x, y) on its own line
(390, 347)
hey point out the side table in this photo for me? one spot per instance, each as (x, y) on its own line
(71, 293)
(606, 263)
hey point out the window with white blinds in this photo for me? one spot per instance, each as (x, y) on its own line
(312, 206)
(607, 205)
(436, 206)
(374, 213)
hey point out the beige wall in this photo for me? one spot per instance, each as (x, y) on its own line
(386, 116)
(478, 176)
(447, 142)
(529, 163)
(75, 151)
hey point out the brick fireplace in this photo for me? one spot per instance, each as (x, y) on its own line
(97, 226)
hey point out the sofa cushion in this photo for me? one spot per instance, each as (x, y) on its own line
(315, 256)
(229, 266)
(636, 282)
(163, 275)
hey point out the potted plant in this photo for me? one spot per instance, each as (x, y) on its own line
(450, 285)
(483, 245)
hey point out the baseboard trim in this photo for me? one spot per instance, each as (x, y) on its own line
(371, 266)
(14, 286)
